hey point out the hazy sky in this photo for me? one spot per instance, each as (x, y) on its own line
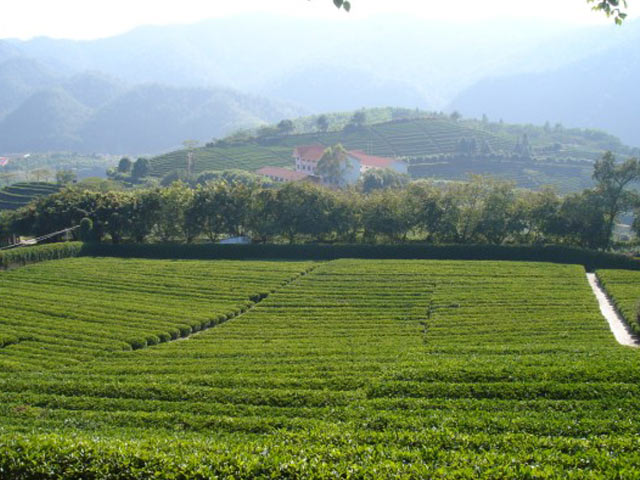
(100, 18)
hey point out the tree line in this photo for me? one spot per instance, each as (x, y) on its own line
(481, 211)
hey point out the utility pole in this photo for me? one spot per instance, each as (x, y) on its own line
(190, 146)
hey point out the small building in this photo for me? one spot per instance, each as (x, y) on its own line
(306, 160)
(307, 157)
(358, 162)
(369, 162)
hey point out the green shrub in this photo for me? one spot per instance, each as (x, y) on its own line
(591, 259)
(164, 336)
(138, 343)
(40, 253)
(6, 340)
(86, 230)
(185, 330)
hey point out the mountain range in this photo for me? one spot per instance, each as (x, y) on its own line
(149, 89)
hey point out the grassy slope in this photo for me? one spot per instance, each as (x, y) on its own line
(365, 368)
(561, 157)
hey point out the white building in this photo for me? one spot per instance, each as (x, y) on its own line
(307, 158)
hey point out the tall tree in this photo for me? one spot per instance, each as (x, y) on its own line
(124, 166)
(613, 179)
(322, 122)
(141, 168)
(581, 221)
(285, 127)
(64, 177)
(358, 119)
(333, 165)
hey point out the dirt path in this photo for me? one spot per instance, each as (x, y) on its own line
(616, 322)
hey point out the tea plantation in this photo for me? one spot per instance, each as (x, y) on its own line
(20, 194)
(337, 369)
(430, 146)
(624, 288)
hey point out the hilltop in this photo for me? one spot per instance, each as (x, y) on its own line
(435, 146)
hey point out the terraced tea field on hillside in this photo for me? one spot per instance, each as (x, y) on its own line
(20, 194)
(431, 147)
(341, 369)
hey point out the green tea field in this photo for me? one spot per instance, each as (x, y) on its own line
(623, 287)
(141, 369)
(20, 194)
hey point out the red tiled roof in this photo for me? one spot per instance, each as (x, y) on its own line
(283, 173)
(371, 160)
(310, 153)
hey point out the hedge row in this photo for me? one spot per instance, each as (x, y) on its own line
(52, 251)
(591, 259)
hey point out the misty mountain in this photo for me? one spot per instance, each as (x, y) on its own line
(93, 113)
(21, 77)
(47, 120)
(152, 118)
(8, 50)
(93, 89)
(597, 92)
(265, 54)
(318, 65)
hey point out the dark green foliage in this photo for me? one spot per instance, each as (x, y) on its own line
(382, 179)
(612, 8)
(141, 168)
(285, 127)
(178, 175)
(229, 176)
(124, 166)
(322, 122)
(342, 4)
(86, 230)
(611, 189)
(137, 343)
(333, 165)
(382, 208)
(591, 259)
